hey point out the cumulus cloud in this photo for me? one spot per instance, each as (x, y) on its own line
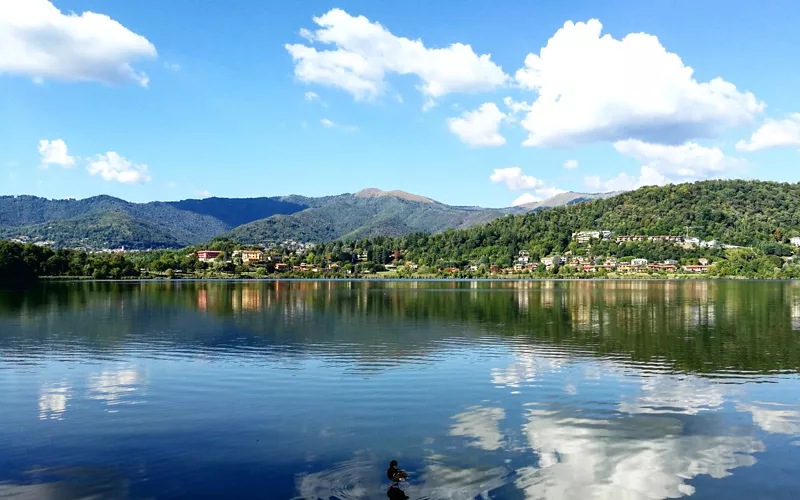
(40, 42)
(526, 198)
(596, 88)
(364, 52)
(571, 164)
(479, 127)
(481, 424)
(664, 164)
(624, 182)
(774, 133)
(55, 153)
(311, 96)
(515, 179)
(541, 195)
(113, 167)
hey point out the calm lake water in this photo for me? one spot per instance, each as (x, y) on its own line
(505, 390)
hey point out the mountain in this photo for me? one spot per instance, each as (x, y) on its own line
(103, 229)
(568, 198)
(370, 212)
(763, 215)
(186, 222)
(104, 221)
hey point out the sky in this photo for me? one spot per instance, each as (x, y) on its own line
(474, 103)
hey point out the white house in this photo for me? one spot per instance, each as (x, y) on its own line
(639, 262)
(795, 241)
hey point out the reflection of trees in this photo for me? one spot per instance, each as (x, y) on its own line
(698, 326)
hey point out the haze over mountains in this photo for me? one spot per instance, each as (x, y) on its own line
(108, 222)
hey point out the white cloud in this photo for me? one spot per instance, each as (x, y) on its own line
(688, 161)
(665, 164)
(479, 127)
(571, 164)
(331, 124)
(55, 153)
(310, 96)
(774, 133)
(482, 425)
(428, 104)
(515, 179)
(592, 88)
(624, 182)
(113, 167)
(39, 41)
(525, 199)
(549, 192)
(174, 67)
(364, 52)
(203, 193)
(542, 194)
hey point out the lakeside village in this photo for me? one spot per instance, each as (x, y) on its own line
(294, 257)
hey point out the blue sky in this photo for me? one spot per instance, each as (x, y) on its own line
(481, 104)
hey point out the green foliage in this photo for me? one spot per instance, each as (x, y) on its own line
(22, 263)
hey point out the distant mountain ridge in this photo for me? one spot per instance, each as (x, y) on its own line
(107, 222)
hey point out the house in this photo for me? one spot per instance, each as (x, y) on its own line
(662, 267)
(639, 262)
(795, 241)
(472, 268)
(696, 269)
(586, 236)
(550, 262)
(626, 238)
(703, 261)
(208, 255)
(671, 262)
(250, 256)
(281, 266)
(524, 256)
(494, 268)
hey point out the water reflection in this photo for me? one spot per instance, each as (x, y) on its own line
(53, 401)
(115, 386)
(481, 389)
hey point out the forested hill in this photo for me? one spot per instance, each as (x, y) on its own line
(733, 212)
(105, 221)
(375, 213)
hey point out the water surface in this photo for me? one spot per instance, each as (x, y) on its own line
(503, 390)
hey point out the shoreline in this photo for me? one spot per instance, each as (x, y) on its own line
(395, 279)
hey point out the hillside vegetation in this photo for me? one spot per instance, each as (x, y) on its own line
(256, 220)
(354, 216)
(746, 213)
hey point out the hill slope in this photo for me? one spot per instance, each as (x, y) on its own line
(369, 212)
(733, 212)
(363, 215)
(103, 229)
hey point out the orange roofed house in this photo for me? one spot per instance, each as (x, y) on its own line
(250, 256)
(208, 255)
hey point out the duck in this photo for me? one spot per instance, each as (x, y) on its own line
(394, 474)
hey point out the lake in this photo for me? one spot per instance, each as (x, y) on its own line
(307, 389)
